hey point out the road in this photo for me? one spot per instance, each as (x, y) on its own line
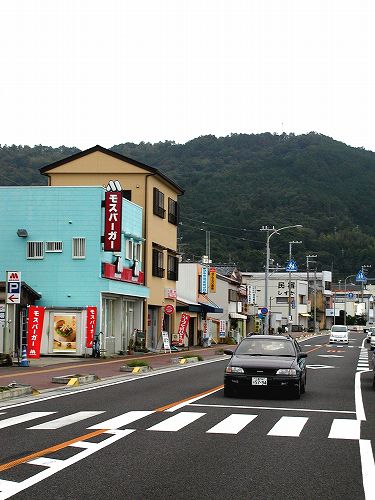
(174, 435)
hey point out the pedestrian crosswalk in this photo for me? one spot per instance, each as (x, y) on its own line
(234, 423)
(363, 362)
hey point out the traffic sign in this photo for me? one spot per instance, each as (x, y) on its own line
(360, 277)
(350, 295)
(264, 310)
(169, 309)
(291, 267)
(13, 287)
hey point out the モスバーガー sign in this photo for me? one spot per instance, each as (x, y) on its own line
(112, 217)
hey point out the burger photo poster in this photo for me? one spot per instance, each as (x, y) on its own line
(64, 332)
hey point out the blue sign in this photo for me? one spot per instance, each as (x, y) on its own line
(264, 310)
(204, 280)
(350, 295)
(260, 316)
(360, 277)
(291, 267)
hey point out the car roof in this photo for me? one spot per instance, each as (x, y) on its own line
(268, 337)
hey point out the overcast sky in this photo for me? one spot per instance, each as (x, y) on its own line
(86, 72)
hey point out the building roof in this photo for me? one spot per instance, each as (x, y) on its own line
(46, 169)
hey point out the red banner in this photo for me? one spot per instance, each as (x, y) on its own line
(182, 327)
(35, 321)
(90, 325)
(112, 221)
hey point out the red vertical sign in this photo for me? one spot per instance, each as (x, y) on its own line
(112, 221)
(182, 327)
(34, 330)
(90, 325)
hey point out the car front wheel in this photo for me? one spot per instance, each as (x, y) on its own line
(296, 391)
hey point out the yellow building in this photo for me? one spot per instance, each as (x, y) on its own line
(148, 187)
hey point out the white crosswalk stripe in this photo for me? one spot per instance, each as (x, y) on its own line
(343, 428)
(288, 426)
(232, 424)
(121, 420)
(68, 420)
(177, 422)
(8, 422)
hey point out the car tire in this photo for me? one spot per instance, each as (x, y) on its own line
(296, 391)
(228, 392)
(303, 386)
(373, 383)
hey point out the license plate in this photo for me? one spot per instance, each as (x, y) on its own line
(259, 381)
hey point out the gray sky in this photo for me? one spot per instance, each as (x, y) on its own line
(86, 72)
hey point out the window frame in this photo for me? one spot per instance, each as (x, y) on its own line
(172, 270)
(84, 241)
(157, 259)
(158, 203)
(173, 211)
(54, 248)
(34, 244)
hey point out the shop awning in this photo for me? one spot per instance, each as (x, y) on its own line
(187, 305)
(211, 307)
(305, 315)
(237, 316)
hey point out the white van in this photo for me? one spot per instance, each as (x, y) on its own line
(339, 334)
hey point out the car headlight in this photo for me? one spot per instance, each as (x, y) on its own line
(234, 369)
(286, 371)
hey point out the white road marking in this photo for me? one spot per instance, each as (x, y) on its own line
(68, 420)
(273, 408)
(177, 422)
(318, 367)
(368, 468)
(232, 424)
(343, 428)
(330, 355)
(7, 422)
(121, 420)
(10, 488)
(45, 462)
(189, 401)
(288, 426)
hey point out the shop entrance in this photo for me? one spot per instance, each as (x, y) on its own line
(128, 325)
(152, 327)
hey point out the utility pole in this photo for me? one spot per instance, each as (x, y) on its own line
(290, 281)
(308, 257)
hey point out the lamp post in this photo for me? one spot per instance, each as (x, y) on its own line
(290, 280)
(308, 257)
(270, 232)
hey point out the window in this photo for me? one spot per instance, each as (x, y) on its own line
(54, 246)
(282, 300)
(172, 211)
(79, 248)
(157, 263)
(172, 268)
(129, 249)
(232, 296)
(159, 203)
(138, 251)
(35, 250)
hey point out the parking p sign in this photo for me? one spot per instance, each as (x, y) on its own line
(13, 287)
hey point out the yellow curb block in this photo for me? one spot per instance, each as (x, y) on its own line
(183, 361)
(73, 382)
(136, 369)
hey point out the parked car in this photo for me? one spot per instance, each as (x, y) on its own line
(370, 332)
(372, 340)
(339, 334)
(266, 362)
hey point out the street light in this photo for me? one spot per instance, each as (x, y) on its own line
(308, 261)
(350, 276)
(270, 232)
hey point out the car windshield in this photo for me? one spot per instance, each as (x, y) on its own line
(258, 347)
(339, 329)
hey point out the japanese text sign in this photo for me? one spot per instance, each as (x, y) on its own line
(112, 221)
(90, 325)
(204, 280)
(34, 330)
(213, 280)
(182, 327)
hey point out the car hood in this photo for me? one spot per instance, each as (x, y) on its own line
(246, 361)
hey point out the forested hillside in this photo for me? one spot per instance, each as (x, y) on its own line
(236, 184)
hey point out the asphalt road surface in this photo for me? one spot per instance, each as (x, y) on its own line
(172, 434)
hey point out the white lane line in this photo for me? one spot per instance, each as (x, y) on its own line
(288, 426)
(83, 444)
(343, 428)
(7, 422)
(45, 462)
(121, 420)
(232, 424)
(68, 420)
(177, 422)
(273, 408)
(368, 468)
(10, 488)
(330, 355)
(191, 400)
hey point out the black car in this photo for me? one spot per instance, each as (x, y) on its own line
(267, 362)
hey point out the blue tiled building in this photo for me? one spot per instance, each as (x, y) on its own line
(60, 256)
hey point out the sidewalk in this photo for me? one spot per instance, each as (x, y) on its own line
(40, 372)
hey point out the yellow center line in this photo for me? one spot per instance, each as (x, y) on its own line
(316, 348)
(52, 449)
(205, 393)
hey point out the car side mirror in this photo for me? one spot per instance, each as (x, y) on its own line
(228, 351)
(302, 355)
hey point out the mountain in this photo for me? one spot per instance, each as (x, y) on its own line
(236, 184)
